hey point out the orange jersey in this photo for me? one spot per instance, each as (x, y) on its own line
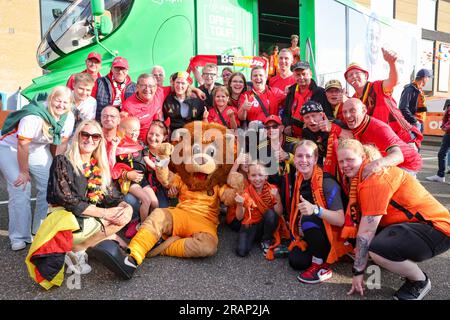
(199, 202)
(401, 198)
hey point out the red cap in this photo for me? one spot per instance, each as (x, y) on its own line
(120, 62)
(95, 55)
(357, 67)
(273, 117)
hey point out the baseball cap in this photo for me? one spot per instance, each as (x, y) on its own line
(95, 55)
(120, 62)
(333, 84)
(422, 73)
(310, 107)
(356, 66)
(300, 65)
(274, 118)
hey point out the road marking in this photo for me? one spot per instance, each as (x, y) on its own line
(7, 201)
(430, 158)
(4, 233)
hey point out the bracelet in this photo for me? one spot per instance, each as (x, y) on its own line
(356, 272)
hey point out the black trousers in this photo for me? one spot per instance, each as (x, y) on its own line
(409, 241)
(263, 230)
(318, 246)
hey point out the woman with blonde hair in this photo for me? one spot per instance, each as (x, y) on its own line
(27, 136)
(80, 183)
(414, 225)
(316, 217)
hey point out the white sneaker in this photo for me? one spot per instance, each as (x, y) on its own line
(19, 245)
(77, 262)
(436, 178)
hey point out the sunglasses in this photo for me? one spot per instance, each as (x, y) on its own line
(86, 135)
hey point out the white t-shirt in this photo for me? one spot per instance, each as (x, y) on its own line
(30, 127)
(86, 110)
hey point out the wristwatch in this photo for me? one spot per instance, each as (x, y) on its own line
(318, 211)
(356, 272)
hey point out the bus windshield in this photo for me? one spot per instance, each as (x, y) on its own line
(74, 29)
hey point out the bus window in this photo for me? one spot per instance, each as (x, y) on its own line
(74, 28)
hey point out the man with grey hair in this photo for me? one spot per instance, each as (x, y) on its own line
(159, 74)
(145, 104)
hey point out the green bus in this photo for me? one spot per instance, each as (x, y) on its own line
(332, 34)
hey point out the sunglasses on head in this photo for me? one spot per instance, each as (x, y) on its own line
(86, 135)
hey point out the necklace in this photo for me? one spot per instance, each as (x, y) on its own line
(94, 175)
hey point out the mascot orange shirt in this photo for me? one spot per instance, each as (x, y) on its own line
(202, 155)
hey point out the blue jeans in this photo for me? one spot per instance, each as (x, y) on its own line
(445, 145)
(19, 204)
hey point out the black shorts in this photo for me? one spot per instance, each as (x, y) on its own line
(409, 241)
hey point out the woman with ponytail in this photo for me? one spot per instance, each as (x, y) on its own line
(316, 217)
(414, 225)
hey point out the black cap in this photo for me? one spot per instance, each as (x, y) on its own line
(300, 65)
(310, 107)
(422, 73)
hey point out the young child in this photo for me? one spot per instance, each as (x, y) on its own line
(84, 106)
(258, 209)
(157, 134)
(133, 171)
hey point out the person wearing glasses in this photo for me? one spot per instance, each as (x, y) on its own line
(114, 88)
(159, 74)
(145, 104)
(93, 66)
(80, 183)
(209, 76)
(226, 74)
(27, 136)
(279, 148)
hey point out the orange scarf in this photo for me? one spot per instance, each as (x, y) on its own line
(257, 204)
(330, 163)
(338, 247)
(353, 212)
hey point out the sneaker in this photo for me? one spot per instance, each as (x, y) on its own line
(77, 262)
(281, 251)
(316, 273)
(132, 229)
(413, 290)
(265, 245)
(436, 178)
(18, 245)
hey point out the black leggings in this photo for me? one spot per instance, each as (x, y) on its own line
(409, 241)
(250, 233)
(318, 246)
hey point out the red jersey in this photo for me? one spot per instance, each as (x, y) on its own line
(145, 112)
(214, 116)
(71, 81)
(375, 132)
(280, 83)
(272, 98)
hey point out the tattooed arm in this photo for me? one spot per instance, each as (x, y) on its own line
(366, 232)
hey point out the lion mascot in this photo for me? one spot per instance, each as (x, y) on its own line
(202, 155)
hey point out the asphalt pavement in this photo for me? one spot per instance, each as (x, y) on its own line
(221, 277)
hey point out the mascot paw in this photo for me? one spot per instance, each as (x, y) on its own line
(165, 150)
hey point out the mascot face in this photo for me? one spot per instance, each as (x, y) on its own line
(204, 155)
